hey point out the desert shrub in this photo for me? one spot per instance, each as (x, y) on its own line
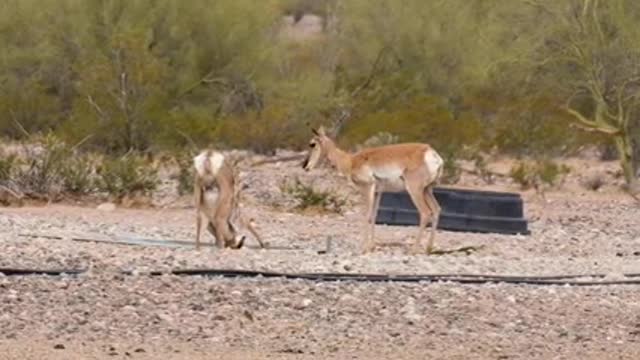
(450, 171)
(420, 119)
(594, 182)
(523, 174)
(380, 139)
(551, 173)
(537, 173)
(297, 8)
(39, 175)
(185, 175)
(262, 132)
(7, 167)
(77, 174)
(480, 163)
(127, 175)
(51, 168)
(307, 197)
(534, 127)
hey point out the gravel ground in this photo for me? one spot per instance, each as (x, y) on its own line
(102, 314)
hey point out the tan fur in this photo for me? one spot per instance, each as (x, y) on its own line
(416, 166)
(216, 195)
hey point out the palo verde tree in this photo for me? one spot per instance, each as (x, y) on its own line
(588, 52)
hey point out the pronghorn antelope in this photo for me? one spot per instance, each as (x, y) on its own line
(216, 199)
(414, 165)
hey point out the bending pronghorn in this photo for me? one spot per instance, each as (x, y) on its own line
(219, 208)
(417, 166)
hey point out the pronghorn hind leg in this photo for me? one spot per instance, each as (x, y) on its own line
(415, 188)
(374, 213)
(435, 216)
(198, 228)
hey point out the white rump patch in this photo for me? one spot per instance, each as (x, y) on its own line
(215, 160)
(434, 162)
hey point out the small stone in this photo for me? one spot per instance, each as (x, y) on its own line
(106, 207)
(59, 347)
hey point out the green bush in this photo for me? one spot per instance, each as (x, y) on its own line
(185, 176)
(551, 173)
(380, 139)
(538, 173)
(127, 175)
(77, 173)
(40, 174)
(7, 167)
(49, 170)
(308, 197)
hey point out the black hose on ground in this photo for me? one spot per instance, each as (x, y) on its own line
(458, 278)
(572, 280)
(23, 272)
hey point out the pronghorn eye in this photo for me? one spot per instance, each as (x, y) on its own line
(312, 145)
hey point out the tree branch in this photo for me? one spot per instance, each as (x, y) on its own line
(97, 108)
(372, 73)
(590, 125)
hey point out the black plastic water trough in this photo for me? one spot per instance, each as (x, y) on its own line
(462, 210)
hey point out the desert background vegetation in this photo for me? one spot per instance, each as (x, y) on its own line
(94, 92)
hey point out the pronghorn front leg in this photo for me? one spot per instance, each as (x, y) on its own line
(368, 192)
(197, 195)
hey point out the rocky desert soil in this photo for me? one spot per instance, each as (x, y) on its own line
(103, 314)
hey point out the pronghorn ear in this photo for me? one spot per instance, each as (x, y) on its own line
(315, 132)
(321, 131)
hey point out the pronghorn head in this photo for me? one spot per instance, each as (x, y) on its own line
(316, 148)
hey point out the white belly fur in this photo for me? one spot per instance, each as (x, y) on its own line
(210, 199)
(389, 173)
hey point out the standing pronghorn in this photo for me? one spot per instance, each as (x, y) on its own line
(417, 166)
(216, 196)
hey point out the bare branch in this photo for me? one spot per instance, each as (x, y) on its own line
(18, 124)
(595, 129)
(11, 192)
(372, 73)
(97, 108)
(539, 5)
(590, 125)
(206, 79)
(82, 141)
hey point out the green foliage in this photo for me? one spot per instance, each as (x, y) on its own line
(77, 173)
(152, 75)
(450, 170)
(380, 139)
(49, 170)
(185, 176)
(274, 127)
(127, 175)
(41, 175)
(419, 120)
(308, 197)
(7, 167)
(537, 173)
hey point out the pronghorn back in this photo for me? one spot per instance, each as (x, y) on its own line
(391, 161)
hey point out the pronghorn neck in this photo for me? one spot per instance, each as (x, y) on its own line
(339, 158)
